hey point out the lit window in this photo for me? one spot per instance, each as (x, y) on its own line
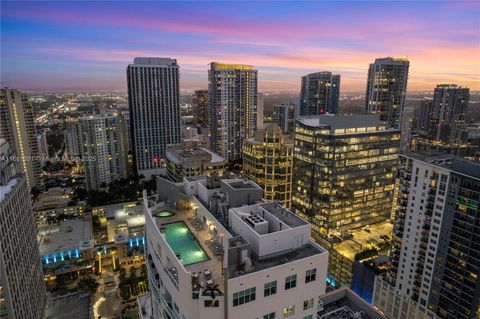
(307, 304)
(289, 311)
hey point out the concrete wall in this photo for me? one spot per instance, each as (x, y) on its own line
(283, 298)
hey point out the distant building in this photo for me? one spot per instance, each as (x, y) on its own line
(22, 289)
(125, 117)
(320, 93)
(42, 146)
(260, 109)
(103, 150)
(186, 162)
(17, 127)
(154, 101)
(284, 116)
(233, 107)
(201, 108)
(55, 205)
(73, 137)
(387, 89)
(267, 160)
(446, 120)
(433, 262)
(216, 250)
(423, 115)
(343, 178)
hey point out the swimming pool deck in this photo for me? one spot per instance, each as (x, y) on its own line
(213, 263)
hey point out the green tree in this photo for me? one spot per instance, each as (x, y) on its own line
(88, 284)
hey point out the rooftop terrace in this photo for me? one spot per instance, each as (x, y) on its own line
(345, 304)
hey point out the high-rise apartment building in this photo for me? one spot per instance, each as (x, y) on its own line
(447, 117)
(17, 127)
(423, 116)
(22, 289)
(42, 146)
(72, 137)
(268, 160)
(201, 108)
(387, 88)
(103, 149)
(233, 107)
(154, 101)
(284, 115)
(434, 261)
(215, 250)
(320, 93)
(343, 178)
(125, 117)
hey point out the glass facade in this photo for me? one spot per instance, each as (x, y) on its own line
(343, 180)
(267, 160)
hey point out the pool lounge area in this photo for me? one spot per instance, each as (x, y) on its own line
(190, 243)
(184, 243)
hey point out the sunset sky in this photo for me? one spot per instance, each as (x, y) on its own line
(87, 45)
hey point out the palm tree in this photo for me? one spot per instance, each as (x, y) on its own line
(211, 289)
(99, 253)
(113, 253)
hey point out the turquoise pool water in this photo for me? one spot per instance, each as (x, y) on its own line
(182, 242)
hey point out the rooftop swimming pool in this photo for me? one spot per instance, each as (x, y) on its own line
(184, 243)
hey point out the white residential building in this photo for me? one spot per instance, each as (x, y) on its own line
(103, 149)
(72, 137)
(215, 249)
(22, 290)
(434, 267)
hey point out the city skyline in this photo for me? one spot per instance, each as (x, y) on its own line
(86, 46)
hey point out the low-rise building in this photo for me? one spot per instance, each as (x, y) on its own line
(186, 162)
(67, 245)
(55, 205)
(215, 249)
(345, 304)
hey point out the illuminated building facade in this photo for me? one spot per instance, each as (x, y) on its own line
(445, 122)
(387, 88)
(22, 290)
(319, 93)
(17, 127)
(72, 136)
(201, 108)
(103, 149)
(267, 160)
(186, 162)
(434, 260)
(233, 107)
(343, 178)
(214, 249)
(154, 102)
